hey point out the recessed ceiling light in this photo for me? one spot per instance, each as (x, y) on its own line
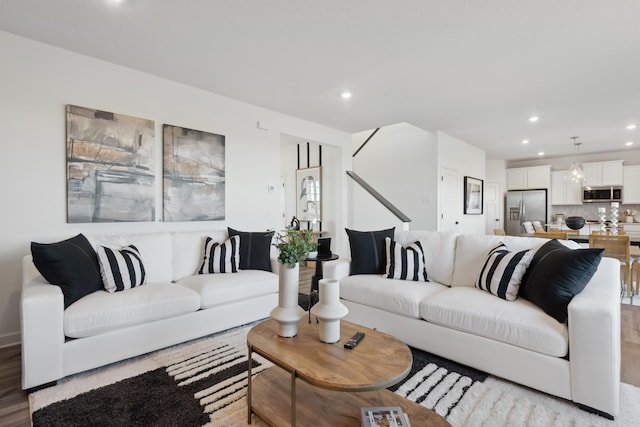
(525, 141)
(346, 95)
(540, 153)
(631, 126)
(628, 143)
(534, 119)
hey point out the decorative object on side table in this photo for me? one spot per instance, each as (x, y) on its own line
(329, 311)
(614, 217)
(293, 246)
(601, 219)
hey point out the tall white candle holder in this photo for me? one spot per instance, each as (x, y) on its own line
(329, 311)
(602, 214)
(614, 217)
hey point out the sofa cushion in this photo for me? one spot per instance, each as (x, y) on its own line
(219, 289)
(405, 263)
(220, 257)
(187, 250)
(502, 272)
(471, 250)
(121, 269)
(255, 249)
(439, 252)
(368, 254)
(71, 264)
(396, 296)
(102, 311)
(520, 323)
(155, 249)
(557, 274)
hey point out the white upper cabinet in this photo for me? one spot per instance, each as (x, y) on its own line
(597, 174)
(631, 184)
(529, 178)
(563, 190)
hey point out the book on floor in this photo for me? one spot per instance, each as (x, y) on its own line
(384, 416)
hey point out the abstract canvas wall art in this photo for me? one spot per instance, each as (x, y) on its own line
(194, 174)
(110, 167)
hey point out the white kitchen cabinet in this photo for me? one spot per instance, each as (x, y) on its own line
(563, 190)
(597, 174)
(631, 184)
(529, 178)
(632, 229)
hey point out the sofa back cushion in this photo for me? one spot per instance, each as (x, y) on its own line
(471, 250)
(155, 249)
(188, 250)
(439, 250)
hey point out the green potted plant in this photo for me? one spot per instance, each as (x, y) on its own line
(293, 246)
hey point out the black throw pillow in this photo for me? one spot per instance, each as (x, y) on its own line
(557, 274)
(71, 264)
(369, 250)
(255, 249)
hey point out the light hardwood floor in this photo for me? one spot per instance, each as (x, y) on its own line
(14, 407)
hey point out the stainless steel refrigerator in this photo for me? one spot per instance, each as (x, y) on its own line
(524, 205)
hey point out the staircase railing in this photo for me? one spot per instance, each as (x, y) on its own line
(380, 198)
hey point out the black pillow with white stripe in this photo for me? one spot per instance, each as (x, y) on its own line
(221, 257)
(405, 263)
(502, 272)
(121, 269)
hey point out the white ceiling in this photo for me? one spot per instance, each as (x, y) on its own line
(473, 69)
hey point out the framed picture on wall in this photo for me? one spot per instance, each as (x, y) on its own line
(473, 195)
(309, 194)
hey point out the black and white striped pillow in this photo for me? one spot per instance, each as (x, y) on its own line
(121, 269)
(502, 272)
(221, 257)
(405, 263)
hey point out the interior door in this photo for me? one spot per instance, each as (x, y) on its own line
(492, 206)
(449, 200)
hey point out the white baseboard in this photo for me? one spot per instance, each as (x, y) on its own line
(7, 340)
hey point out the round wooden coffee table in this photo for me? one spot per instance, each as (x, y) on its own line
(331, 376)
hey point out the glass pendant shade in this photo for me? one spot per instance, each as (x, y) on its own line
(576, 171)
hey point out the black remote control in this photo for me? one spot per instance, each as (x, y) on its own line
(354, 340)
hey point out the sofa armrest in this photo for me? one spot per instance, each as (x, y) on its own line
(42, 326)
(594, 340)
(337, 269)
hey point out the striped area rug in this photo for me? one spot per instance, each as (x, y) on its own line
(203, 382)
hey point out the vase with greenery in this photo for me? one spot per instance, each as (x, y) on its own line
(293, 246)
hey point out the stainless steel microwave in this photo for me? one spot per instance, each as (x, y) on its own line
(602, 194)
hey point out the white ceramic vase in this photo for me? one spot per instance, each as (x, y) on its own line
(288, 312)
(329, 310)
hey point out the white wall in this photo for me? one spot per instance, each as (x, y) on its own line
(467, 160)
(400, 163)
(37, 81)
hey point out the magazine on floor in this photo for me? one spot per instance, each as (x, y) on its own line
(384, 416)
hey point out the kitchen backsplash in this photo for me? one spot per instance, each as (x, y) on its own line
(589, 211)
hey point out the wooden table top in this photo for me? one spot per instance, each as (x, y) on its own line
(378, 361)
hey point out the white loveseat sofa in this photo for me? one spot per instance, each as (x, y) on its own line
(578, 360)
(174, 306)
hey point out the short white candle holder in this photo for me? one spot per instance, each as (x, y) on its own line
(329, 311)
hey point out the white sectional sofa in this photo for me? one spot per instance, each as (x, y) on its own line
(577, 360)
(175, 305)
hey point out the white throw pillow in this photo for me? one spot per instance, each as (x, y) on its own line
(122, 268)
(221, 257)
(405, 263)
(502, 271)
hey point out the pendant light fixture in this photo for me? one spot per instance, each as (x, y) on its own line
(576, 171)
